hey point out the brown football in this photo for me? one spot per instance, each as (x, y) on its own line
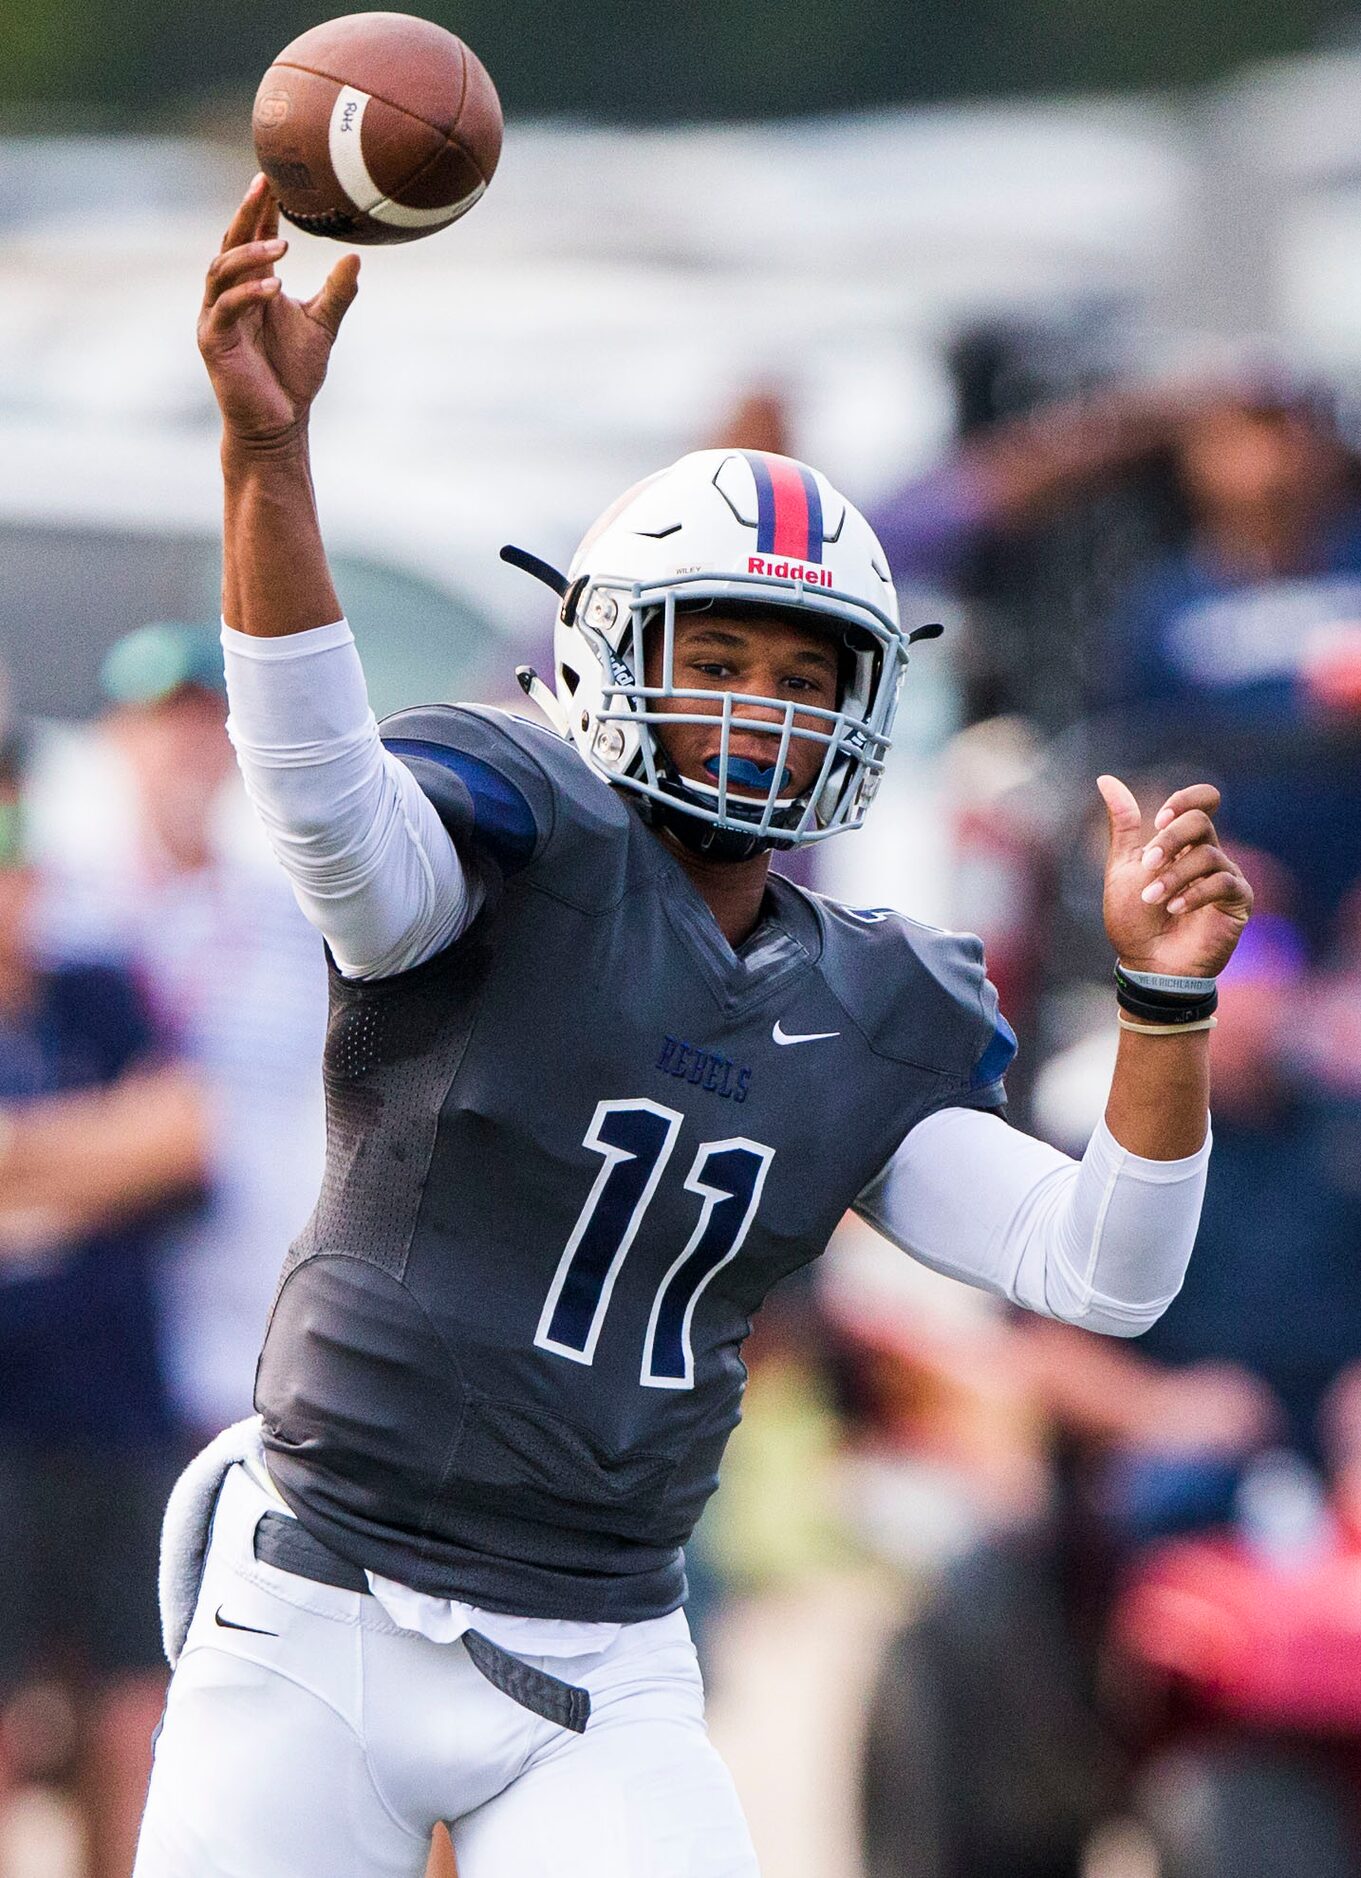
(377, 127)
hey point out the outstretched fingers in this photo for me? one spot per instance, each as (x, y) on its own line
(241, 274)
(267, 217)
(236, 264)
(245, 224)
(227, 309)
(333, 300)
(238, 279)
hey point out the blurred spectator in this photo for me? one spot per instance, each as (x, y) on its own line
(98, 1132)
(758, 421)
(1247, 640)
(988, 1750)
(1004, 478)
(162, 866)
(772, 1522)
(1016, 474)
(1236, 650)
(1273, 501)
(1269, 1319)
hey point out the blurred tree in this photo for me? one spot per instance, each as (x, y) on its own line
(146, 59)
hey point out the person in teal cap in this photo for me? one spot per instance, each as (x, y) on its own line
(153, 662)
(168, 702)
(161, 866)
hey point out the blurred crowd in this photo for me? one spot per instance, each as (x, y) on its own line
(162, 1008)
(1123, 1574)
(1127, 1571)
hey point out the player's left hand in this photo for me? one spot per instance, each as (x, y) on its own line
(1174, 901)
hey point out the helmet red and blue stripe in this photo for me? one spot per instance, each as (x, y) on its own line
(788, 508)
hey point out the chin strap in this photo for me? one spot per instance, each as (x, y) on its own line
(715, 844)
(538, 693)
(526, 677)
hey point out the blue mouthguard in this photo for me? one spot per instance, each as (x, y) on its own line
(741, 769)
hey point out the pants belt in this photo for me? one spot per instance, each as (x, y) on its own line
(286, 1544)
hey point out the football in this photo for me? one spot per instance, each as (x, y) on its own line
(377, 127)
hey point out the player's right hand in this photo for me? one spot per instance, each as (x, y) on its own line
(266, 354)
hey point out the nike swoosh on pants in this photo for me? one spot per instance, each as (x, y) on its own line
(226, 1623)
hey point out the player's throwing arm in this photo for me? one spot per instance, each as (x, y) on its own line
(370, 862)
(267, 355)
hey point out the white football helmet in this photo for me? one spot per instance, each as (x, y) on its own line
(740, 529)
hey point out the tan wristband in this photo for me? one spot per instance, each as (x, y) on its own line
(1166, 1030)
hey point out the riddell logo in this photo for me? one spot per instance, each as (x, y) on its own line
(790, 570)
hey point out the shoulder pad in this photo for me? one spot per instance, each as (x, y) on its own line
(920, 994)
(505, 788)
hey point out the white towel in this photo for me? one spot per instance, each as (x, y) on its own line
(188, 1522)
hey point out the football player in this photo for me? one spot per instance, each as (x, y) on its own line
(596, 1079)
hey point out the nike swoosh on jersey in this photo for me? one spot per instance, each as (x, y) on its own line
(781, 1035)
(227, 1624)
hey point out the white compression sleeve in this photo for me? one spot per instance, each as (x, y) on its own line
(1102, 1242)
(370, 861)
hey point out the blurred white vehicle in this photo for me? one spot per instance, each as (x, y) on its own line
(593, 320)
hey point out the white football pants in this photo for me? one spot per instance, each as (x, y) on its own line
(324, 1742)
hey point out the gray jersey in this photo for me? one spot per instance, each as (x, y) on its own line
(567, 1159)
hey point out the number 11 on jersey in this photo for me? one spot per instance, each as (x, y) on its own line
(636, 1139)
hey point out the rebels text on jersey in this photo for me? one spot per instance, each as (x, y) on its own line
(567, 1158)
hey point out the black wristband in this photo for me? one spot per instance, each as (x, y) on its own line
(1153, 1006)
